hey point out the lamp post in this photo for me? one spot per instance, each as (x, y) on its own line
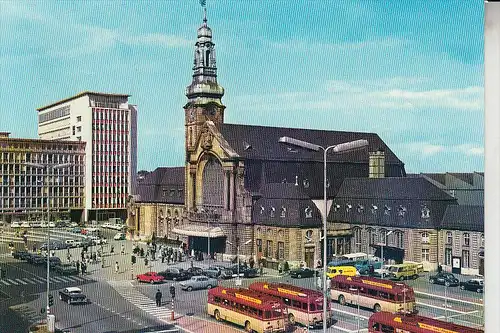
(340, 148)
(238, 281)
(382, 250)
(46, 168)
(357, 290)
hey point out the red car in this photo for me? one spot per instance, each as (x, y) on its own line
(150, 277)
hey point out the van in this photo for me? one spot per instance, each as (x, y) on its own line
(341, 270)
(403, 271)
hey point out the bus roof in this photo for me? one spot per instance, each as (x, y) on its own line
(381, 284)
(426, 324)
(247, 297)
(282, 289)
(356, 255)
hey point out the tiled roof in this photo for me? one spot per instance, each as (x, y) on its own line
(260, 142)
(163, 185)
(468, 218)
(285, 205)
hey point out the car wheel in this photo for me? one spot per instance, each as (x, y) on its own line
(299, 276)
(60, 297)
(209, 286)
(414, 277)
(447, 284)
(248, 327)
(479, 290)
(341, 300)
(189, 288)
(151, 281)
(431, 281)
(291, 319)
(138, 280)
(174, 279)
(217, 315)
(377, 308)
(462, 287)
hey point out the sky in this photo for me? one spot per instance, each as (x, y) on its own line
(410, 71)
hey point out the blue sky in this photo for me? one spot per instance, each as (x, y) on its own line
(411, 71)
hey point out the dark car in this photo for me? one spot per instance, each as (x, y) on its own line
(37, 259)
(56, 245)
(175, 274)
(215, 271)
(226, 274)
(250, 273)
(21, 254)
(443, 278)
(195, 271)
(66, 269)
(302, 272)
(72, 295)
(234, 268)
(54, 261)
(476, 285)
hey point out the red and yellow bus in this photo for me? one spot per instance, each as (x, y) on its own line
(373, 293)
(386, 322)
(257, 312)
(305, 306)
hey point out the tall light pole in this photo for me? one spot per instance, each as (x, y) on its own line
(238, 281)
(46, 168)
(357, 290)
(340, 148)
(382, 249)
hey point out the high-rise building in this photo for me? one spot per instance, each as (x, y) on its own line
(25, 191)
(108, 123)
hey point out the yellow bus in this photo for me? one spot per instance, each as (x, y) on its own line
(305, 306)
(373, 293)
(256, 311)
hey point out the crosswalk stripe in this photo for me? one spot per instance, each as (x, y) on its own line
(19, 280)
(12, 281)
(5, 282)
(39, 279)
(78, 278)
(32, 281)
(66, 278)
(57, 279)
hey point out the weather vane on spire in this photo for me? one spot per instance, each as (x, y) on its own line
(203, 3)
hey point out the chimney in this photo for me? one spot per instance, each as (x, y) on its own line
(4, 135)
(377, 164)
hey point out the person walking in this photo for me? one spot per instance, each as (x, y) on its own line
(318, 282)
(77, 267)
(117, 268)
(122, 249)
(158, 297)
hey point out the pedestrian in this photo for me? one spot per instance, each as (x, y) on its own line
(371, 270)
(123, 249)
(117, 268)
(53, 253)
(112, 250)
(77, 267)
(162, 258)
(261, 269)
(440, 268)
(158, 297)
(280, 268)
(84, 268)
(82, 255)
(146, 261)
(319, 282)
(34, 248)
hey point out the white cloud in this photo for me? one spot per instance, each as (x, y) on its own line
(428, 149)
(470, 149)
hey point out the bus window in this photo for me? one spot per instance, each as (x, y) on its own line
(296, 304)
(319, 306)
(376, 327)
(387, 329)
(383, 294)
(312, 307)
(267, 314)
(260, 313)
(304, 306)
(372, 292)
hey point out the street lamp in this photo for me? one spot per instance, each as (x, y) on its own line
(382, 250)
(357, 290)
(46, 167)
(238, 281)
(340, 148)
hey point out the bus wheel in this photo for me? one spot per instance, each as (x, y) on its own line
(217, 315)
(377, 308)
(291, 319)
(341, 300)
(248, 328)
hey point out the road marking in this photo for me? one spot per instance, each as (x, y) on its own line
(65, 279)
(350, 313)
(441, 308)
(449, 298)
(19, 280)
(77, 278)
(4, 282)
(39, 279)
(12, 281)
(32, 281)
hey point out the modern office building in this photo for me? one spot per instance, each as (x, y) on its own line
(108, 124)
(25, 191)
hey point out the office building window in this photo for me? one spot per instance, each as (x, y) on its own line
(465, 258)
(466, 239)
(259, 245)
(449, 238)
(269, 249)
(447, 256)
(425, 255)
(425, 237)
(281, 250)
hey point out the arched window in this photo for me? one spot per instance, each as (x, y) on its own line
(383, 237)
(425, 237)
(425, 212)
(466, 239)
(399, 239)
(207, 58)
(308, 212)
(449, 238)
(309, 234)
(357, 239)
(273, 211)
(283, 211)
(213, 183)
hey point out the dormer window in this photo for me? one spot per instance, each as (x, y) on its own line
(401, 211)
(306, 183)
(273, 211)
(262, 210)
(374, 209)
(360, 208)
(296, 180)
(336, 207)
(348, 207)
(283, 211)
(308, 212)
(425, 212)
(387, 210)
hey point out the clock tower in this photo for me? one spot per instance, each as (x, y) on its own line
(204, 93)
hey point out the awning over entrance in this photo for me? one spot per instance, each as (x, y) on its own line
(199, 231)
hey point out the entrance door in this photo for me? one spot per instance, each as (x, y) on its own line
(456, 265)
(309, 256)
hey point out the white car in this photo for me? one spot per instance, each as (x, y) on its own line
(25, 224)
(15, 225)
(52, 225)
(73, 224)
(119, 236)
(106, 225)
(36, 224)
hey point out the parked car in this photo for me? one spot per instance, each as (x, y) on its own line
(73, 242)
(476, 285)
(250, 273)
(73, 295)
(175, 274)
(382, 272)
(36, 224)
(198, 282)
(234, 268)
(150, 277)
(73, 224)
(36, 259)
(214, 271)
(303, 272)
(444, 278)
(54, 245)
(25, 224)
(195, 271)
(21, 254)
(54, 261)
(119, 236)
(66, 269)
(226, 274)
(15, 225)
